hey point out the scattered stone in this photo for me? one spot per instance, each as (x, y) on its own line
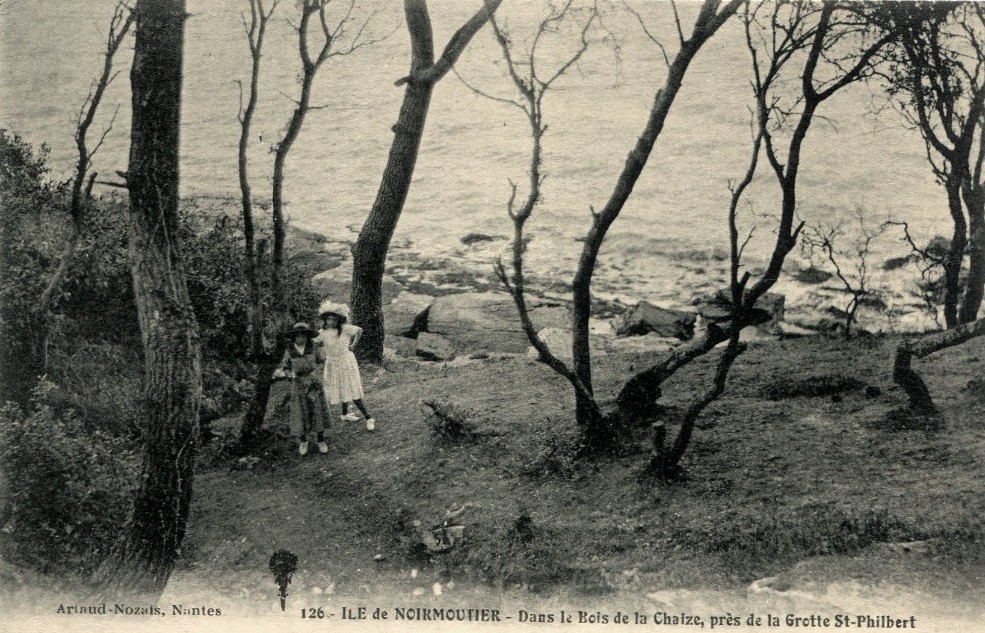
(434, 347)
(767, 313)
(812, 275)
(418, 591)
(646, 317)
(379, 557)
(474, 238)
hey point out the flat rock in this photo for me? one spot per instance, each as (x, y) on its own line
(488, 321)
(645, 318)
(407, 314)
(434, 347)
(650, 343)
(336, 284)
(558, 340)
(789, 330)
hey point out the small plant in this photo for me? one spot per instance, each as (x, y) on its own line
(556, 456)
(850, 260)
(448, 421)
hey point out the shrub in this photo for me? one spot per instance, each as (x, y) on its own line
(68, 489)
(101, 382)
(555, 455)
(448, 421)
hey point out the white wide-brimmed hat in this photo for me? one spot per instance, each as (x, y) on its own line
(330, 307)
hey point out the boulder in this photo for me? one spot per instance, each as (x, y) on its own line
(434, 347)
(768, 311)
(402, 345)
(336, 283)
(558, 340)
(407, 314)
(645, 318)
(488, 321)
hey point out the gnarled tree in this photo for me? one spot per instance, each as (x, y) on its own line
(939, 87)
(936, 79)
(776, 34)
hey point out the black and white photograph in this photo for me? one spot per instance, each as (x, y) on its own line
(492, 315)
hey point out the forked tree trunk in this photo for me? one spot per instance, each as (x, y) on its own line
(596, 430)
(909, 380)
(140, 565)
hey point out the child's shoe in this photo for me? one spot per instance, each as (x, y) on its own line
(370, 424)
(322, 447)
(351, 416)
(303, 448)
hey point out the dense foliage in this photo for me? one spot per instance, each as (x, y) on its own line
(68, 459)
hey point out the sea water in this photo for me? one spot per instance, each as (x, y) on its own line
(670, 239)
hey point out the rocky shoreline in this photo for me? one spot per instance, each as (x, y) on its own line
(444, 310)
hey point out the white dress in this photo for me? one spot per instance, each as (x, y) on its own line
(342, 382)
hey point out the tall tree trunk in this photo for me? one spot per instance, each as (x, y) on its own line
(142, 562)
(370, 250)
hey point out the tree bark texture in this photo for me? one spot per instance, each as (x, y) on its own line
(971, 303)
(142, 562)
(909, 380)
(370, 250)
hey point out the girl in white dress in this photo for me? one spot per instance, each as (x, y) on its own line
(341, 379)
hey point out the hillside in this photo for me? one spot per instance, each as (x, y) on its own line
(794, 473)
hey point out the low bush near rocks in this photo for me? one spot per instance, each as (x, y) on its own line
(448, 421)
(812, 387)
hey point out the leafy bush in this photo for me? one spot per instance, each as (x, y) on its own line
(220, 294)
(448, 421)
(68, 489)
(555, 455)
(101, 382)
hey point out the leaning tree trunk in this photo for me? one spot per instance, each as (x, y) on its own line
(370, 250)
(142, 562)
(909, 380)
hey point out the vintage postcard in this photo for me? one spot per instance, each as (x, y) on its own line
(492, 315)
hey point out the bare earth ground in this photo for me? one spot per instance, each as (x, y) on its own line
(799, 474)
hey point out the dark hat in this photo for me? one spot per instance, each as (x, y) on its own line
(301, 328)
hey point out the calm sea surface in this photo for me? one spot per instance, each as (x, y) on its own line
(51, 50)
